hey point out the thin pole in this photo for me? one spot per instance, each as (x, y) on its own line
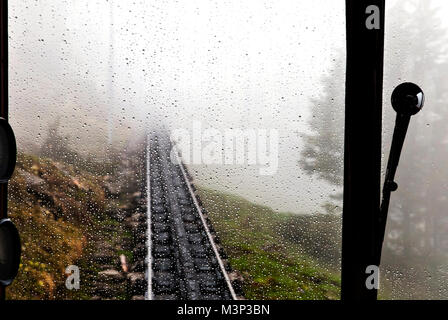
(110, 122)
(401, 126)
(4, 59)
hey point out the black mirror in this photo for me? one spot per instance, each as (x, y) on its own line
(10, 250)
(408, 99)
(8, 151)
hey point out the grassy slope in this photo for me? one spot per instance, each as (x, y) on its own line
(273, 267)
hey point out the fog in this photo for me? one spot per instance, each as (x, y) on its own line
(416, 245)
(111, 69)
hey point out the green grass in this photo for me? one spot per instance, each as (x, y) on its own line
(272, 265)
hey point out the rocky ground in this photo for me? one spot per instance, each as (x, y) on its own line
(121, 260)
(68, 216)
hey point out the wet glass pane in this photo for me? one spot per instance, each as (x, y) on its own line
(106, 97)
(415, 261)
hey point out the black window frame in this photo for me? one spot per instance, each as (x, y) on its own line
(3, 102)
(362, 151)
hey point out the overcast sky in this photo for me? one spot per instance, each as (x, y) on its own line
(110, 69)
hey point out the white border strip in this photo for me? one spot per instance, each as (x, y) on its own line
(149, 293)
(209, 235)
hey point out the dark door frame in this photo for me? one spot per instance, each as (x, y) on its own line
(362, 164)
(3, 102)
(362, 154)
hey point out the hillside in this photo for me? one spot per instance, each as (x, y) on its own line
(277, 254)
(68, 215)
(65, 216)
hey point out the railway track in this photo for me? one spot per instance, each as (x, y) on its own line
(183, 261)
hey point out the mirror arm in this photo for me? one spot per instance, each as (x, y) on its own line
(407, 100)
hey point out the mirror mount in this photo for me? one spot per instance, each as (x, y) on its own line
(407, 100)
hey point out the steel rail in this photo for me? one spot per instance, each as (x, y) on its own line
(149, 292)
(204, 223)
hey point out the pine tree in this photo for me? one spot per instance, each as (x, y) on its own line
(323, 153)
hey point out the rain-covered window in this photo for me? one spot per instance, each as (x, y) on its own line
(415, 261)
(193, 149)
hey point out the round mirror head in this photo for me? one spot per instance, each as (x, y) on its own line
(10, 250)
(408, 99)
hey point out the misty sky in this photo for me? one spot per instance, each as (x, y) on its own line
(111, 69)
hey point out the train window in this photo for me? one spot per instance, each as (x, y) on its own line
(415, 250)
(256, 101)
(183, 150)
